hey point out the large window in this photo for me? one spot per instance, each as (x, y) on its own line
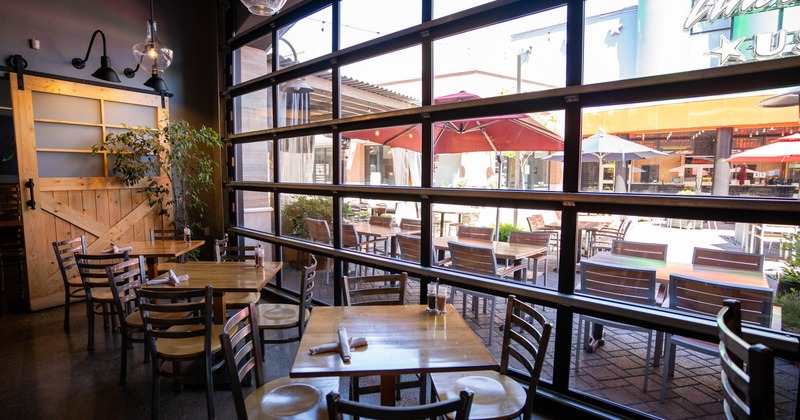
(647, 142)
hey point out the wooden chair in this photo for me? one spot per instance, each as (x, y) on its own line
(689, 295)
(243, 357)
(172, 340)
(273, 317)
(389, 289)
(168, 235)
(410, 224)
(65, 257)
(224, 252)
(536, 223)
(525, 341)
(124, 278)
(457, 408)
(728, 259)
(475, 232)
(351, 239)
(748, 370)
(639, 249)
(466, 219)
(318, 231)
(479, 260)
(535, 239)
(99, 300)
(409, 247)
(380, 221)
(600, 241)
(624, 284)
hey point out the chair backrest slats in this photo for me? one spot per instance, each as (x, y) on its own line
(242, 354)
(65, 255)
(318, 230)
(156, 304)
(458, 408)
(475, 232)
(410, 247)
(474, 259)
(728, 259)
(224, 252)
(350, 237)
(705, 298)
(536, 222)
(92, 267)
(380, 221)
(124, 278)
(748, 378)
(639, 249)
(410, 224)
(530, 238)
(618, 283)
(166, 234)
(389, 289)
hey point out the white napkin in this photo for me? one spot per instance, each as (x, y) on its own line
(176, 280)
(116, 250)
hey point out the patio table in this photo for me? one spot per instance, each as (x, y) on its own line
(369, 230)
(401, 340)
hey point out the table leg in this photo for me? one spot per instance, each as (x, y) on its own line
(152, 267)
(218, 306)
(388, 389)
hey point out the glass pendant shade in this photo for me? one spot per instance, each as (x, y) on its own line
(152, 50)
(264, 7)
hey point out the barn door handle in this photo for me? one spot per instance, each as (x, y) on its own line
(31, 202)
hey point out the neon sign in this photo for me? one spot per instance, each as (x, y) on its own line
(711, 10)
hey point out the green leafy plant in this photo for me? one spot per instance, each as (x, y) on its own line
(505, 229)
(294, 214)
(790, 272)
(790, 309)
(172, 164)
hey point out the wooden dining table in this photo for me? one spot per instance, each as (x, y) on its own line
(153, 250)
(401, 340)
(502, 250)
(223, 278)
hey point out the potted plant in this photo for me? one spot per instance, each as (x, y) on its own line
(172, 165)
(789, 276)
(293, 222)
(789, 303)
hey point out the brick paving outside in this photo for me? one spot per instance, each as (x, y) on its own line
(616, 371)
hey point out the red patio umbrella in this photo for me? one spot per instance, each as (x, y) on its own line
(785, 149)
(502, 133)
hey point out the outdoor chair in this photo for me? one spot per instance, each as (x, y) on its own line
(410, 224)
(479, 260)
(475, 232)
(409, 247)
(172, 341)
(728, 259)
(73, 285)
(380, 221)
(242, 355)
(748, 379)
(389, 289)
(224, 252)
(600, 241)
(525, 341)
(637, 286)
(536, 223)
(536, 239)
(770, 234)
(639, 249)
(466, 219)
(320, 232)
(351, 239)
(99, 300)
(457, 408)
(275, 317)
(694, 296)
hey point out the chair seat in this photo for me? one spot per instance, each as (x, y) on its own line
(296, 398)
(497, 396)
(102, 295)
(279, 315)
(187, 347)
(241, 298)
(134, 320)
(75, 282)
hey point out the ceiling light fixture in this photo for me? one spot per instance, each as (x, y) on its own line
(264, 7)
(105, 72)
(158, 55)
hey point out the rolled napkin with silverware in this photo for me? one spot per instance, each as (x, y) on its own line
(116, 250)
(344, 345)
(334, 347)
(176, 280)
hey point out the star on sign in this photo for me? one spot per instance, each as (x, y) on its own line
(728, 51)
(615, 30)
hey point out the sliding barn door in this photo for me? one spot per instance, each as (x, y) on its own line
(56, 124)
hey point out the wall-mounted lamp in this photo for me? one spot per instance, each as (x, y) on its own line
(264, 7)
(105, 72)
(158, 54)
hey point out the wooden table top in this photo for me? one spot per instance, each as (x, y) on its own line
(364, 228)
(401, 339)
(664, 269)
(223, 277)
(161, 248)
(502, 250)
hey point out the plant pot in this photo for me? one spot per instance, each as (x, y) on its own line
(786, 286)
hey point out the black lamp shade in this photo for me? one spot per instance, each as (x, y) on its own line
(105, 72)
(157, 84)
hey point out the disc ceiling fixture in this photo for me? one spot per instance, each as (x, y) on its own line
(264, 7)
(154, 54)
(105, 72)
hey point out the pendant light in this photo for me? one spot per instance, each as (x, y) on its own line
(154, 54)
(264, 7)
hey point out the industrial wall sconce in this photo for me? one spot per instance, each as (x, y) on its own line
(152, 49)
(264, 7)
(105, 72)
